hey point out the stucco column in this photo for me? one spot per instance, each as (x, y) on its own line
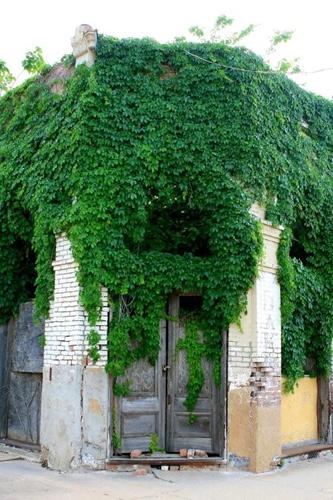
(330, 433)
(254, 367)
(3, 381)
(75, 396)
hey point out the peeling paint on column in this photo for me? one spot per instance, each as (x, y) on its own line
(254, 368)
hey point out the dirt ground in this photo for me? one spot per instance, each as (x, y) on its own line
(305, 480)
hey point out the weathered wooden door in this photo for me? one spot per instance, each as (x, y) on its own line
(142, 414)
(205, 433)
(156, 401)
(20, 390)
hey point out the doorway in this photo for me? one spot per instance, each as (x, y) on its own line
(155, 406)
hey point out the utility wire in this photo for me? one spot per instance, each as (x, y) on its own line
(245, 70)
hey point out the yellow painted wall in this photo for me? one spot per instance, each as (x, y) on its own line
(240, 422)
(299, 413)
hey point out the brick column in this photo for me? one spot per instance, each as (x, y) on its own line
(75, 396)
(254, 367)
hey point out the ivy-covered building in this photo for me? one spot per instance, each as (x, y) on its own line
(169, 209)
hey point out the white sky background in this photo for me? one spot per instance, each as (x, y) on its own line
(26, 24)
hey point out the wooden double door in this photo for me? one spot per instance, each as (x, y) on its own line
(156, 402)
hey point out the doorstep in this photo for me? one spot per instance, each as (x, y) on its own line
(32, 455)
(20, 444)
(306, 449)
(172, 462)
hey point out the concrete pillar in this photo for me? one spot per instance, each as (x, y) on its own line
(75, 396)
(330, 409)
(254, 368)
(3, 385)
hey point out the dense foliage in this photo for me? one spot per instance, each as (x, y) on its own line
(150, 161)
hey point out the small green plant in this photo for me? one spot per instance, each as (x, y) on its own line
(34, 62)
(192, 418)
(116, 441)
(122, 389)
(154, 444)
(116, 438)
(6, 77)
(221, 33)
(41, 341)
(68, 60)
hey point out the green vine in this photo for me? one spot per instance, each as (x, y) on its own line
(94, 339)
(116, 438)
(122, 389)
(150, 161)
(195, 352)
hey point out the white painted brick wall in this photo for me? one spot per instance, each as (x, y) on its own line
(67, 328)
(268, 335)
(256, 347)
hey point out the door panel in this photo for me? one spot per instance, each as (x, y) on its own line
(204, 433)
(143, 412)
(156, 401)
(24, 376)
(24, 407)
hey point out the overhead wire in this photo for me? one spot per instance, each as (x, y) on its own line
(248, 70)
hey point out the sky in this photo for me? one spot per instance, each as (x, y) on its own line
(26, 24)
